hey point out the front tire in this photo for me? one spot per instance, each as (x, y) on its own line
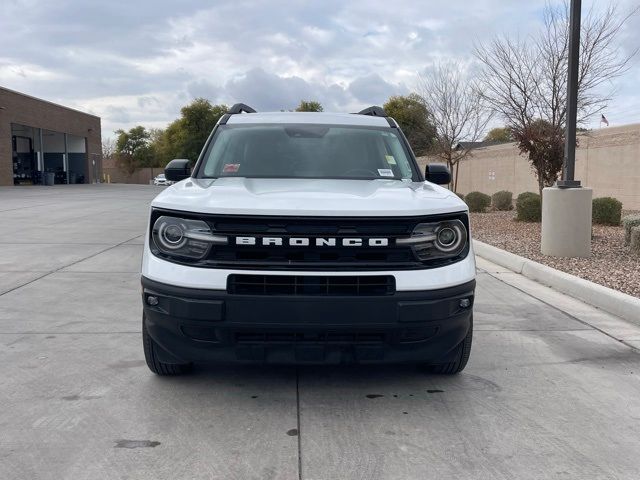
(155, 365)
(462, 353)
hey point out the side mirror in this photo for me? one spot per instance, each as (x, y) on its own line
(177, 170)
(437, 173)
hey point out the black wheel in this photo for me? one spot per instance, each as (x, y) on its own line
(463, 350)
(155, 365)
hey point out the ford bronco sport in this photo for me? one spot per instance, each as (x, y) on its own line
(307, 238)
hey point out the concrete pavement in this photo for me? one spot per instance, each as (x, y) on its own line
(551, 390)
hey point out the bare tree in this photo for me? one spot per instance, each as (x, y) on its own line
(525, 81)
(108, 147)
(456, 110)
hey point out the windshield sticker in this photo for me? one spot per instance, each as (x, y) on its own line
(230, 168)
(390, 159)
(385, 172)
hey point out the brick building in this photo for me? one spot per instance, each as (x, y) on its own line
(39, 138)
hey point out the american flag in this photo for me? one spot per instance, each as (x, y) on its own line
(604, 120)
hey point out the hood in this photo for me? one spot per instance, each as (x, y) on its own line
(308, 197)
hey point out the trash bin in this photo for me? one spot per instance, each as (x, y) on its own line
(72, 177)
(49, 178)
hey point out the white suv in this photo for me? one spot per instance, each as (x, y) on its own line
(307, 238)
(161, 180)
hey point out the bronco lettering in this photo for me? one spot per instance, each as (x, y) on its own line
(318, 242)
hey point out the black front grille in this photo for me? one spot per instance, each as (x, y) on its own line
(313, 257)
(356, 285)
(290, 257)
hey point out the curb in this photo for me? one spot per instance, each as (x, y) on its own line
(611, 301)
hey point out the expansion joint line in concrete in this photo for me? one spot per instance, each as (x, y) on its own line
(497, 277)
(298, 423)
(69, 265)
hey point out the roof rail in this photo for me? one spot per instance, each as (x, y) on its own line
(239, 108)
(374, 111)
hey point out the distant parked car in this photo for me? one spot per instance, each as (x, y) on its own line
(161, 180)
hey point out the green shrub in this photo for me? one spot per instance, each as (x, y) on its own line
(502, 200)
(629, 222)
(529, 207)
(461, 196)
(526, 195)
(606, 211)
(477, 201)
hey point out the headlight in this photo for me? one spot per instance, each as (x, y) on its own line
(437, 240)
(186, 238)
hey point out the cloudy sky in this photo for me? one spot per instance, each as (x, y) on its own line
(137, 62)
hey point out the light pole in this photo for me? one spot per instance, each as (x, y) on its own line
(568, 168)
(566, 207)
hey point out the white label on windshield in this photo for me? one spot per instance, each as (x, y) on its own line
(385, 172)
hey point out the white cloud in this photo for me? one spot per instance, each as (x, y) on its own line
(142, 66)
(14, 71)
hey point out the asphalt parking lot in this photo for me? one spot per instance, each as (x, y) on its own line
(551, 391)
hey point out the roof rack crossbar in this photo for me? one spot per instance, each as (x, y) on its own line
(239, 108)
(373, 111)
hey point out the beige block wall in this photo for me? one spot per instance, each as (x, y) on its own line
(607, 160)
(140, 175)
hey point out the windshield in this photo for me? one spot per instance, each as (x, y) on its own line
(306, 151)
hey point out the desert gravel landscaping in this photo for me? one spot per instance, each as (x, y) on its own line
(611, 264)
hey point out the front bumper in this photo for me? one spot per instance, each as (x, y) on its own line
(213, 326)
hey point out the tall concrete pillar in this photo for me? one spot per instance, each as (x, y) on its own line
(566, 222)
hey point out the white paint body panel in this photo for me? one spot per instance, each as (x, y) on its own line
(309, 118)
(309, 197)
